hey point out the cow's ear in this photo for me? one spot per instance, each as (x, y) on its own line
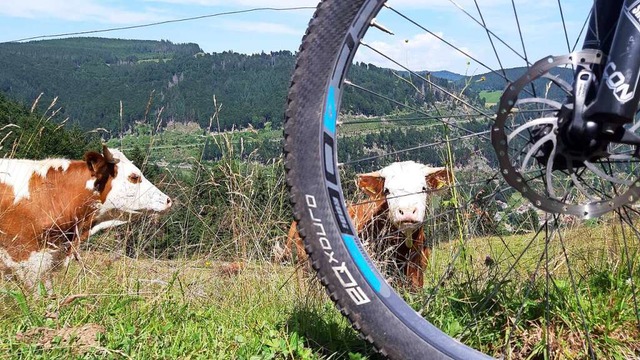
(108, 157)
(95, 162)
(437, 178)
(372, 184)
(100, 169)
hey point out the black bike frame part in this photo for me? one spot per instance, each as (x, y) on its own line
(602, 25)
(618, 93)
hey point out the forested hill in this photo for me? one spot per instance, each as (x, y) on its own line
(111, 51)
(90, 76)
(496, 80)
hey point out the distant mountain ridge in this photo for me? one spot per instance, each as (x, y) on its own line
(447, 75)
(92, 76)
(117, 49)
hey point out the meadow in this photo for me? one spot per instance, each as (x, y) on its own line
(116, 307)
(198, 282)
(491, 98)
(201, 282)
(110, 305)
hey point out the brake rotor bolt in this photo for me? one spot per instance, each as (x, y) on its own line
(609, 129)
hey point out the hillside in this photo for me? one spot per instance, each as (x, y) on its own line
(91, 76)
(111, 50)
(447, 75)
(495, 81)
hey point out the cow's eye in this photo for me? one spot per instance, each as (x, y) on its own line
(135, 178)
(424, 189)
(386, 191)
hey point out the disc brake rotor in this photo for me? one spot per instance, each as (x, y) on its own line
(533, 157)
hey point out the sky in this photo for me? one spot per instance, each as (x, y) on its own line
(269, 30)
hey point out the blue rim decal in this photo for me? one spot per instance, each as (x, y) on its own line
(329, 118)
(330, 110)
(363, 265)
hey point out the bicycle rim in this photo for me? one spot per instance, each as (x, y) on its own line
(502, 277)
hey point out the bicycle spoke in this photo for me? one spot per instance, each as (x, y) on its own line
(564, 26)
(577, 296)
(503, 274)
(464, 53)
(629, 263)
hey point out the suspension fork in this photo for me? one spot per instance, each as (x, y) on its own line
(614, 28)
(602, 24)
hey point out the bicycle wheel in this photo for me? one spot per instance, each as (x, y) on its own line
(502, 276)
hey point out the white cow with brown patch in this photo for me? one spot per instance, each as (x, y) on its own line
(393, 214)
(47, 207)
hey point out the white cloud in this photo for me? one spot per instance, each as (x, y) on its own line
(419, 52)
(539, 21)
(134, 12)
(75, 10)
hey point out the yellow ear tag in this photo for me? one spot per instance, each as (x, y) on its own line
(444, 181)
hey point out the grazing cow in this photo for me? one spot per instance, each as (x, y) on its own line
(47, 207)
(397, 200)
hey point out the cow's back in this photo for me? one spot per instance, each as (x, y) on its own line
(42, 205)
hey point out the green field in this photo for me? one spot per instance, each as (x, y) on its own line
(490, 97)
(202, 281)
(108, 305)
(197, 309)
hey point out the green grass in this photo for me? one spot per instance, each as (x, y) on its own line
(490, 97)
(361, 124)
(178, 309)
(490, 297)
(199, 308)
(181, 143)
(184, 143)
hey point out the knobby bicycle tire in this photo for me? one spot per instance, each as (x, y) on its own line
(344, 268)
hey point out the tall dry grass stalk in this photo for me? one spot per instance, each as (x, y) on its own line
(25, 141)
(235, 208)
(256, 213)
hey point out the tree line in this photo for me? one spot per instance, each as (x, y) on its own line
(93, 77)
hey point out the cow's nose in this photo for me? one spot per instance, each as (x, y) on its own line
(411, 211)
(408, 214)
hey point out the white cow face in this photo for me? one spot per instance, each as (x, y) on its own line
(130, 191)
(405, 186)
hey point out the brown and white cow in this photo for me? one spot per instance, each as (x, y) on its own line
(397, 201)
(47, 207)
